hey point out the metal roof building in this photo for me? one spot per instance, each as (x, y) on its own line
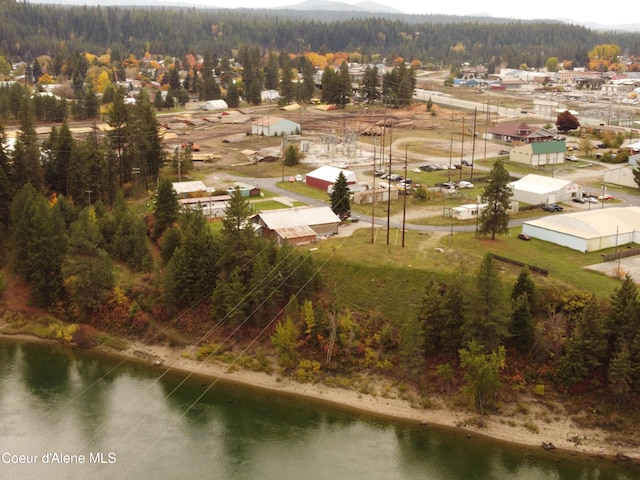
(297, 225)
(588, 231)
(537, 189)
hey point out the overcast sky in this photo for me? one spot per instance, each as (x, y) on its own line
(541, 9)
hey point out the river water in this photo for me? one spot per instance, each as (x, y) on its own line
(72, 415)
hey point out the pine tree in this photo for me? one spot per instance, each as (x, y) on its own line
(340, 203)
(166, 208)
(487, 322)
(497, 194)
(87, 268)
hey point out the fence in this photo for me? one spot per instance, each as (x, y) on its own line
(542, 271)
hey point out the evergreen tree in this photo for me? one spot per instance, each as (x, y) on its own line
(371, 85)
(271, 70)
(308, 83)
(286, 85)
(146, 142)
(488, 321)
(497, 194)
(190, 274)
(87, 268)
(119, 123)
(344, 86)
(39, 244)
(129, 242)
(340, 203)
(166, 207)
(233, 95)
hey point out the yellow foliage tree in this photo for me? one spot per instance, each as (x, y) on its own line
(101, 82)
(46, 79)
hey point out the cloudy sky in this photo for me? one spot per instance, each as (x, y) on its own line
(541, 9)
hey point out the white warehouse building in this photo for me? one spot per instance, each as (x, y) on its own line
(537, 189)
(589, 230)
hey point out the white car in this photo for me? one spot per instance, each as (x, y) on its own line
(465, 184)
(299, 178)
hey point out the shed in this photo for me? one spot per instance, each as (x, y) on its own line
(187, 189)
(271, 126)
(589, 230)
(468, 211)
(246, 190)
(537, 189)
(214, 105)
(327, 175)
(539, 153)
(293, 224)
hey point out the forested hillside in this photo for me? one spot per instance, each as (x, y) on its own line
(30, 30)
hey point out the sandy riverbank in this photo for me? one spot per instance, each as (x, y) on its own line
(554, 427)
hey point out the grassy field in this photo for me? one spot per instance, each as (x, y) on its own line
(390, 280)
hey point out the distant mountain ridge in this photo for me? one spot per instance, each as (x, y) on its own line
(333, 5)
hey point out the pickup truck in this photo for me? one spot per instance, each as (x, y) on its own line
(552, 207)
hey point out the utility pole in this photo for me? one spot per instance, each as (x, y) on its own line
(404, 206)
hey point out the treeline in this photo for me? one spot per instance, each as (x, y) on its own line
(30, 30)
(78, 263)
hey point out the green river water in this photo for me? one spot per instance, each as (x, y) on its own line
(72, 415)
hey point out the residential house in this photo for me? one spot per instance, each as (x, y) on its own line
(520, 132)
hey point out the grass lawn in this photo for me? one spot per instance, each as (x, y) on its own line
(390, 280)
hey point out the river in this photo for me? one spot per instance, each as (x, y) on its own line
(67, 415)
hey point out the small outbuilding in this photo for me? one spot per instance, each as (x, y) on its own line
(189, 189)
(214, 105)
(327, 175)
(537, 190)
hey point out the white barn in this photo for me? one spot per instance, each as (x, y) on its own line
(589, 230)
(537, 189)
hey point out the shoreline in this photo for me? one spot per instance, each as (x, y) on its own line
(568, 440)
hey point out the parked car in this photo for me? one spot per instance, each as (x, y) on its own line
(465, 184)
(552, 207)
(572, 158)
(606, 197)
(578, 200)
(378, 173)
(467, 163)
(592, 200)
(299, 178)
(449, 185)
(394, 177)
(523, 236)
(503, 152)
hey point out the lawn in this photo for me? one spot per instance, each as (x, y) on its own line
(373, 276)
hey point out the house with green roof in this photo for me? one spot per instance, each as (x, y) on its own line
(539, 153)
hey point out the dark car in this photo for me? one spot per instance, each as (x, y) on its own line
(552, 207)
(524, 236)
(467, 163)
(578, 200)
(449, 185)
(503, 152)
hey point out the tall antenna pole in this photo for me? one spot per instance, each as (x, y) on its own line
(462, 148)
